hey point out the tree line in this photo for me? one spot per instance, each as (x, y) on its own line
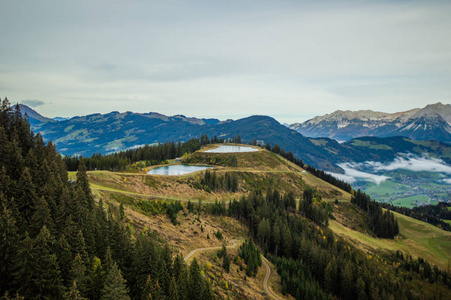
(120, 161)
(329, 178)
(215, 183)
(432, 214)
(57, 242)
(383, 223)
(312, 261)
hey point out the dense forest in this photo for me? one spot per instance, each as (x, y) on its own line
(383, 223)
(432, 214)
(315, 264)
(57, 242)
(147, 155)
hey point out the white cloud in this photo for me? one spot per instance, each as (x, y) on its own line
(266, 57)
(353, 173)
(413, 163)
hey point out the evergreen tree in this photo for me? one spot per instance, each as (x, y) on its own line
(115, 288)
(195, 283)
(41, 217)
(83, 184)
(74, 293)
(78, 274)
(8, 245)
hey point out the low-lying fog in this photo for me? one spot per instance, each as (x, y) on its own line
(373, 171)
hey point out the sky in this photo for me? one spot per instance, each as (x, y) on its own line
(291, 60)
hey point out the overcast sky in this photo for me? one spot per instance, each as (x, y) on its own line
(291, 60)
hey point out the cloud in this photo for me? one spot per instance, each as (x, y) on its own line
(353, 171)
(32, 102)
(157, 56)
(350, 171)
(413, 163)
(343, 177)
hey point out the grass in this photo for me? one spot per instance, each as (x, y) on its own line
(370, 145)
(416, 238)
(410, 201)
(385, 187)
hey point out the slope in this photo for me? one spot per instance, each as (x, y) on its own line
(259, 170)
(430, 122)
(416, 238)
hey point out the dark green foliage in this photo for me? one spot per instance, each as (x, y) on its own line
(56, 242)
(218, 234)
(433, 214)
(252, 256)
(225, 183)
(115, 288)
(196, 285)
(172, 210)
(217, 208)
(312, 262)
(74, 293)
(383, 224)
(151, 155)
(329, 178)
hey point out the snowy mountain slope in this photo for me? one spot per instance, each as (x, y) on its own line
(430, 122)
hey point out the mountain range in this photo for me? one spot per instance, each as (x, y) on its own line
(106, 133)
(432, 122)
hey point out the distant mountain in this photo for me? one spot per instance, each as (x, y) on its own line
(432, 122)
(34, 117)
(106, 133)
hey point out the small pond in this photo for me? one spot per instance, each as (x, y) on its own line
(176, 170)
(231, 149)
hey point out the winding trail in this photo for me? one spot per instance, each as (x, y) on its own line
(189, 255)
(265, 281)
(234, 244)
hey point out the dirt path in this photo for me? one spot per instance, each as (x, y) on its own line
(233, 245)
(189, 255)
(265, 281)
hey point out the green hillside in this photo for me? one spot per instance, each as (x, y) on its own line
(262, 169)
(147, 197)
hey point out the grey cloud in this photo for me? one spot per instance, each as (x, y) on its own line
(380, 55)
(32, 102)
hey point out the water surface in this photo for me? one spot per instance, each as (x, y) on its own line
(231, 149)
(176, 170)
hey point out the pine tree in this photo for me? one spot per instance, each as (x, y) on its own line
(226, 262)
(74, 293)
(8, 245)
(276, 238)
(38, 272)
(195, 283)
(147, 289)
(83, 183)
(173, 294)
(78, 274)
(115, 288)
(181, 276)
(41, 217)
